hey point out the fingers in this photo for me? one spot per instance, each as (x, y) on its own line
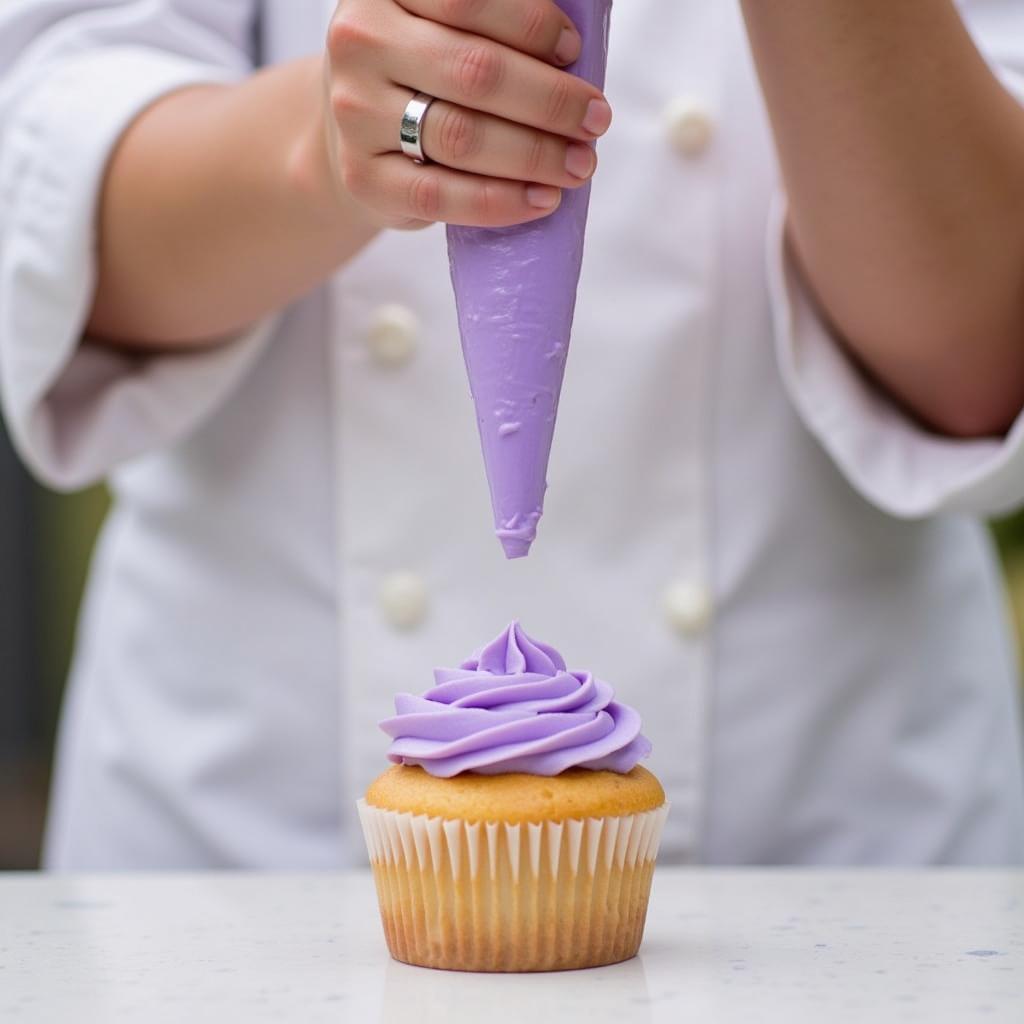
(507, 130)
(537, 27)
(478, 143)
(406, 193)
(483, 75)
(483, 144)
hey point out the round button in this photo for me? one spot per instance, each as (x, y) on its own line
(392, 335)
(689, 125)
(687, 607)
(403, 599)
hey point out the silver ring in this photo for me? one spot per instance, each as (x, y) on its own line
(411, 133)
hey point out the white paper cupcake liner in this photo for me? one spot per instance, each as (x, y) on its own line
(499, 897)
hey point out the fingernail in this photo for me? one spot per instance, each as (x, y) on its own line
(598, 117)
(568, 46)
(580, 160)
(543, 197)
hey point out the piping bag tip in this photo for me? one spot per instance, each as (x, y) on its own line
(515, 547)
(515, 295)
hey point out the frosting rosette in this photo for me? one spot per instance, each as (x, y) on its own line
(514, 707)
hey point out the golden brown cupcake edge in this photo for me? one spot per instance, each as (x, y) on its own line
(517, 797)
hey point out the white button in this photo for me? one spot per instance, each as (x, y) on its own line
(392, 335)
(403, 599)
(687, 607)
(689, 125)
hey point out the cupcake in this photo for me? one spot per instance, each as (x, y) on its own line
(516, 830)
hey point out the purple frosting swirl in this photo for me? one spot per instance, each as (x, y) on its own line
(514, 707)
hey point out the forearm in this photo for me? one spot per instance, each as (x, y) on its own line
(903, 159)
(218, 207)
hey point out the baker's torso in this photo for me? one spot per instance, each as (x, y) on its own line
(821, 683)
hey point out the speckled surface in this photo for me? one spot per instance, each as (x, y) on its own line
(721, 947)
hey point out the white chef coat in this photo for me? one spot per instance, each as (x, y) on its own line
(781, 570)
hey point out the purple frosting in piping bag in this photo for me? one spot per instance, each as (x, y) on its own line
(514, 707)
(515, 290)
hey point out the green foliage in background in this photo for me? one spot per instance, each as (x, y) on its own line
(66, 527)
(1010, 535)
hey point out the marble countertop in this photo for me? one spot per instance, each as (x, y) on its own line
(721, 946)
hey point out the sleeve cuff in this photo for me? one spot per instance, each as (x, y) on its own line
(75, 411)
(888, 458)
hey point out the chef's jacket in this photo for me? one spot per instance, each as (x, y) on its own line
(757, 548)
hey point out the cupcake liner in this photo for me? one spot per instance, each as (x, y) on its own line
(490, 896)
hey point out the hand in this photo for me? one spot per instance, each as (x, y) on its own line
(507, 131)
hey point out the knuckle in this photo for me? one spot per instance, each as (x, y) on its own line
(424, 197)
(477, 71)
(345, 104)
(559, 99)
(347, 35)
(537, 26)
(535, 157)
(459, 12)
(459, 134)
(486, 202)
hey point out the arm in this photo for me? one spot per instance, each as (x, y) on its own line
(903, 159)
(217, 210)
(224, 203)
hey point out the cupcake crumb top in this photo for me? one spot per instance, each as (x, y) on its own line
(517, 797)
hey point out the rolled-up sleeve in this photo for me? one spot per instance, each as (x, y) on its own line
(887, 456)
(75, 410)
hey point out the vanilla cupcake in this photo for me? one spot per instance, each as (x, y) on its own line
(517, 831)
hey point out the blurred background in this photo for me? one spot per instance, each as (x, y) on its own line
(45, 541)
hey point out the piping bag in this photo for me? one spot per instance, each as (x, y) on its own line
(515, 292)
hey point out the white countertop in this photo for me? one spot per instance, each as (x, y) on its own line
(721, 946)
